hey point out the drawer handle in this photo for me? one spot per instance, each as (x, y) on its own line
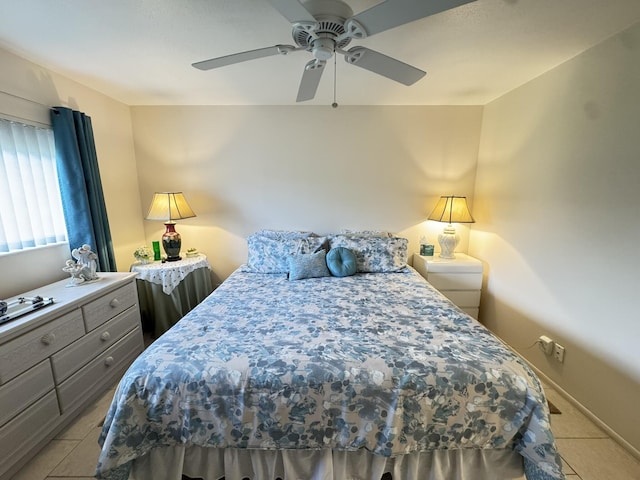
(105, 336)
(108, 361)
(48, 339)
(114, 303)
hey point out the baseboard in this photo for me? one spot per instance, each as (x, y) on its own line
(587, 413)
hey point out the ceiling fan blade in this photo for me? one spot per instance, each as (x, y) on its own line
(383, 65)
(293, 11)
(393, 13)
(310, 80)
(244, 56)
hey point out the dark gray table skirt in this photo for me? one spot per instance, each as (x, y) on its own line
(160, 311)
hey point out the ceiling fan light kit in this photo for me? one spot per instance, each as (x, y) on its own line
(325, 27)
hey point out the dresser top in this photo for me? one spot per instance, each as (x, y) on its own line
(65, 299)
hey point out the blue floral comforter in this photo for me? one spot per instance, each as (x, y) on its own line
(375, 361)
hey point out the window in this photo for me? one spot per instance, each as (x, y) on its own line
(30, 205)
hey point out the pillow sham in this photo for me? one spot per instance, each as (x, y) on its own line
(375, 254)
(366, 233)
(308, 265)
(284, 234)
(341, 262)
(270, 253)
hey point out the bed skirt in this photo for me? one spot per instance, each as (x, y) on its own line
(236, 464)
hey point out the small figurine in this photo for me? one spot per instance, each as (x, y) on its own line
(73, 269)
(85, 257)
(85, 266)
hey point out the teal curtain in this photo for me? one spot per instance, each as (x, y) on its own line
(79, 176)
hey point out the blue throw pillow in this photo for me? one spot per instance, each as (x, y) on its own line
(341, 262)
(308, 265)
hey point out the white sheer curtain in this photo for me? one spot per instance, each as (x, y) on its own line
(30, 205)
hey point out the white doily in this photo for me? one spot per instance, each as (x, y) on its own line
(169, 274)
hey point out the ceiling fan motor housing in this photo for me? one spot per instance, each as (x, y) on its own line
(320, 38)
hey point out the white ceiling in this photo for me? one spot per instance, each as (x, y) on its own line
(140, 51)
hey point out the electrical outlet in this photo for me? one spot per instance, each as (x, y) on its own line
(558, 352)
(545, 344)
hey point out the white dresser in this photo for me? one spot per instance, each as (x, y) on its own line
(458, 279)
(57, 360)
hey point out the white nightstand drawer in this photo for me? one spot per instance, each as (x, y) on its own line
(108, 306)
(92, 375)
(69, 360)
(22, 391)
(461, 264)
(455, 281)
(463, 298)
(24, 352)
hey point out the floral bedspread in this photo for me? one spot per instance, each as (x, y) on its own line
(375, 361)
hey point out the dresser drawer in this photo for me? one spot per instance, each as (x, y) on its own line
(463, 298)
(455, 281)
(108, 306)
(34, 423)
(22, 353)
(25, 389)
(71, 359)
(100, 370)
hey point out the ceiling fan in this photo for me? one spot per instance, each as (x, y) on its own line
(326, 27)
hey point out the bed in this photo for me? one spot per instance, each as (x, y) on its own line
(289, 371)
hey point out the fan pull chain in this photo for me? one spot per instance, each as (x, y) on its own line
(334, 104)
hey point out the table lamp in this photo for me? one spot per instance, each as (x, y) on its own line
(167, 207)
(450, 209)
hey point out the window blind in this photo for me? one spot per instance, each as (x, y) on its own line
(30, 204)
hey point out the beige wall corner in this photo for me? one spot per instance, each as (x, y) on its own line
(557, 206)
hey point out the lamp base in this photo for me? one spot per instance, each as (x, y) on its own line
(448, 241)
(171, 242)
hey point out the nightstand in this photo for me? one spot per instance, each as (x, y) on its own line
(459, 279)
(168, 291)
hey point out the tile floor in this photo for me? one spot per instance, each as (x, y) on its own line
(588, 453)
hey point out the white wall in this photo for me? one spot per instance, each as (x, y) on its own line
(20, 80)
(557, 201)
(315, 168)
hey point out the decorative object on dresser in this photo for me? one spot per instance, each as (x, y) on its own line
(167, 207)
(450, 209)
(56, 361)
(21, 306)
(458, 279)
(85, 267)
(88, 259)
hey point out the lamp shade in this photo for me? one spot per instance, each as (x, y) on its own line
(452, 209)
(169, 206)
